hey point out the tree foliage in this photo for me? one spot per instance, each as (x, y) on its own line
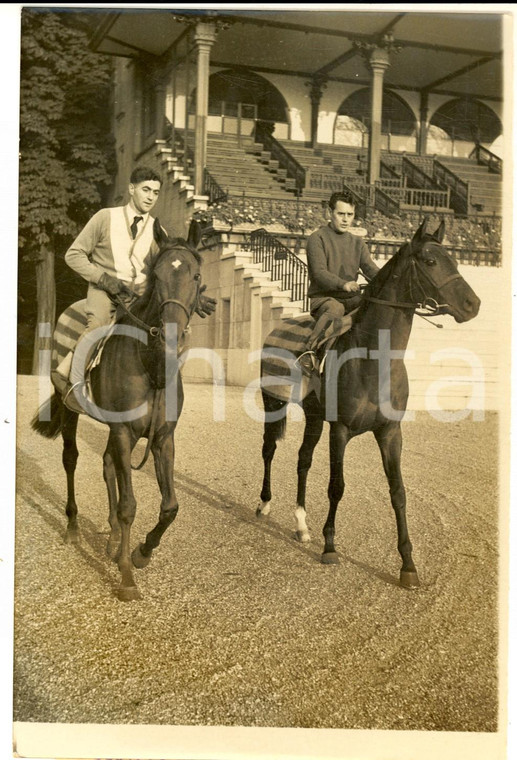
(66, 148)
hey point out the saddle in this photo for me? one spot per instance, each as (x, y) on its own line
(69, 328)
(281, 377)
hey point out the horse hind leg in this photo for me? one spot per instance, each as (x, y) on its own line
(69, 459)
(274, 430)
(338, 440)
(163, 452)
(389, 440)
(311, 437)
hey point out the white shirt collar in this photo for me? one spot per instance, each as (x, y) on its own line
(131, 213)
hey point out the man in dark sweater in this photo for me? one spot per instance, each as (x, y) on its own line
(334, 258)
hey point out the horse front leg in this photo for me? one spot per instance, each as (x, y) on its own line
(110, 478)
(69, 459)
(311, 437)
(121, 445)
(389, 439)
(163, 452)
(338, 440)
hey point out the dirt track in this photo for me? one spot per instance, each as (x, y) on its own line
(240, 624)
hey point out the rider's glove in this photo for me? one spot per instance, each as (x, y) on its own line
(206, 305)
(112, 285)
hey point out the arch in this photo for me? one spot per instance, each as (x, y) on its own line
(353, 118)
(467, 120)
(231, 90)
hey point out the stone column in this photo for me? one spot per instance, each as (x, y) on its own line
(424, 112)
(317, 85)
(160, 94)
(204, 38)
(376, 54)
(379, 62)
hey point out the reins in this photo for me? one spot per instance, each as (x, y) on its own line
(152, 427)
(432, 307)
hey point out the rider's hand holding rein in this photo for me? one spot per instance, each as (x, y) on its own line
(113, 285)
(206, 305)
(351, 287)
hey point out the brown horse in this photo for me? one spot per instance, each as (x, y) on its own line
(365, 384)
(138, 392)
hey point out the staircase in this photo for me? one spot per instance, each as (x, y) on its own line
(326, 167)
(244, 168)
(485, 188)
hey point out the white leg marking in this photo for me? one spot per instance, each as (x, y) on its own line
(264, 507)
(302, 530)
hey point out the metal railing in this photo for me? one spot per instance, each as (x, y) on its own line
(486, 158)
(459, 190)
(285, 160)
(328, 181)
(282, 264)
(387, 173)
(425, 197)
(215, 192)
(416, 177)
(385, 203)
(292, 273)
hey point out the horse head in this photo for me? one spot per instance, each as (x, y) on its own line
(176, 276)
(432, 279)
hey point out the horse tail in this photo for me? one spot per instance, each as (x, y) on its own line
(48, 420)
(274, 429)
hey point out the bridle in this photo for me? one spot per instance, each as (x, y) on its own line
(427, 306)
(154, 330)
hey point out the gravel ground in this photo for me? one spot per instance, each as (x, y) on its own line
(239, 624)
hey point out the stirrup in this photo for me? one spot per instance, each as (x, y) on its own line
(307, 362)
(70, 400)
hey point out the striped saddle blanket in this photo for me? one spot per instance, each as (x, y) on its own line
(70, 326)
(280, 374)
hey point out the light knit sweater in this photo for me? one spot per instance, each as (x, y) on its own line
(105, 244)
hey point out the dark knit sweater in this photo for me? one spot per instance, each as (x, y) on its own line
(334, 258)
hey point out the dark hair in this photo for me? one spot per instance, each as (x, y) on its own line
(346, 197)
(143, 174)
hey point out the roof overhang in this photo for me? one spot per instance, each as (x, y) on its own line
(451, 53)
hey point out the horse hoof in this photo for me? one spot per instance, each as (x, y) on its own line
(139, 560)
(72, 537)
(409, 579)
(303, 536)
(330, 558)
(263, 509)
(129, 594)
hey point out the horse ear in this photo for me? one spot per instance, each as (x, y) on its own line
(419, 234)
(194, 234)
(439, 234)
(159, 234)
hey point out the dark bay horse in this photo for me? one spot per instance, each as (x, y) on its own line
(137, 385)
(365, 387)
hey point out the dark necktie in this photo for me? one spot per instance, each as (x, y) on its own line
(134, 226)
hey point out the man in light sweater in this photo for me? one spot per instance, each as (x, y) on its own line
(334, 259)
(111, 253)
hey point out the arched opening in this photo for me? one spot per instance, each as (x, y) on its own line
(398, 126)
(459, 124)
(236, 99)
